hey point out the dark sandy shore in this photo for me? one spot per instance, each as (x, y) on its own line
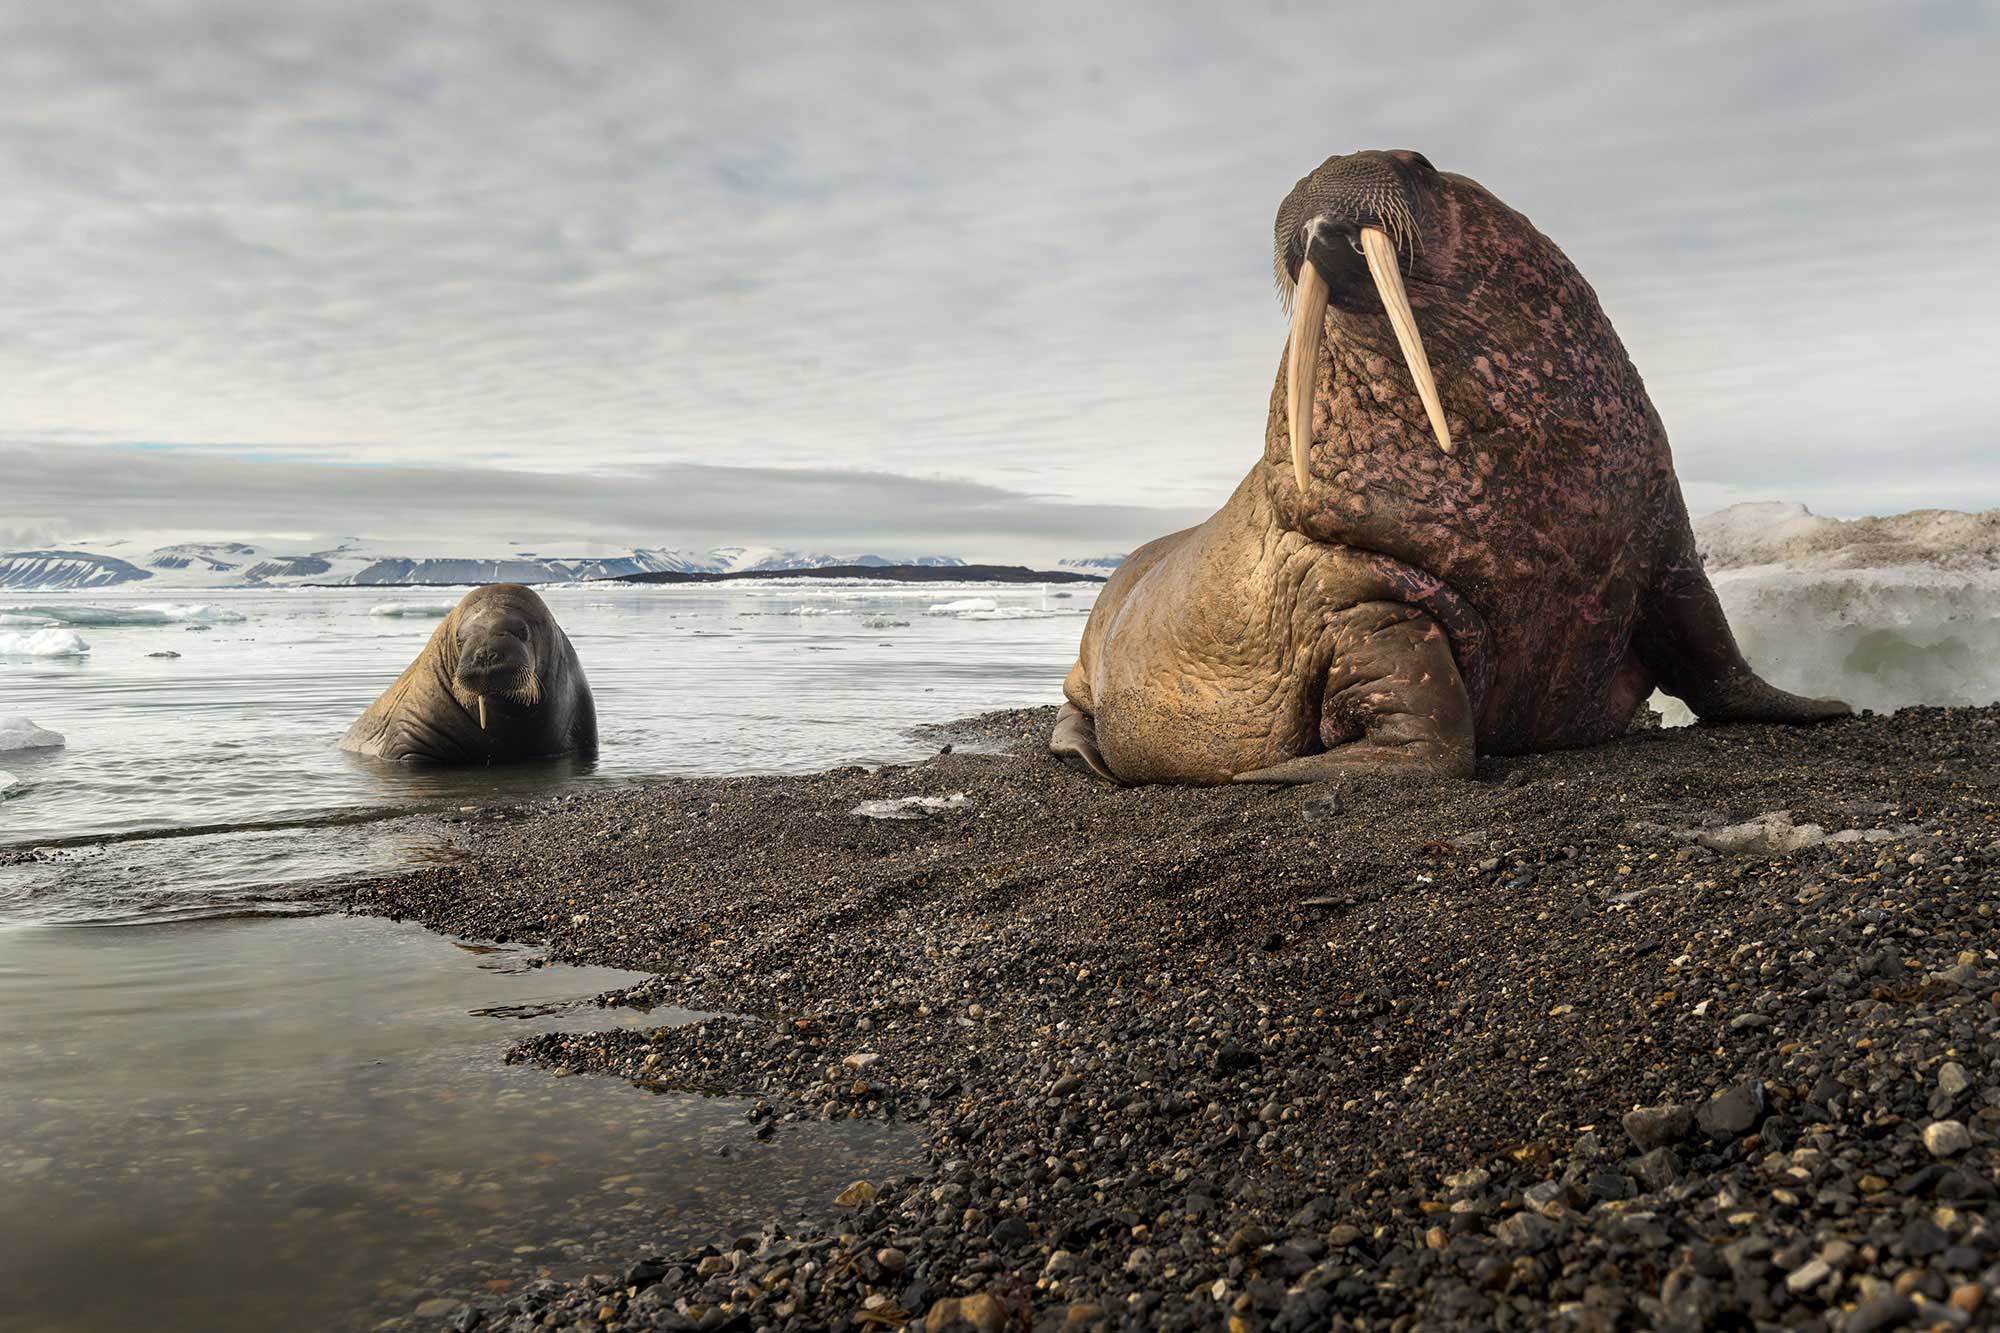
(1291, 1058)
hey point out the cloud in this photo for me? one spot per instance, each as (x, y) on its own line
(1020, 245)
(100, 493)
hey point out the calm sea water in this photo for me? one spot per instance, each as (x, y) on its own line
(214, 1115)
(229, 747)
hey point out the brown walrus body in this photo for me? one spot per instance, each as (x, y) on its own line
(1412, 575)
(498, 681)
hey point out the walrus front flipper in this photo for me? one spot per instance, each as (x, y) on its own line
(1074, 741)
(1684, 640)
(1394, 701)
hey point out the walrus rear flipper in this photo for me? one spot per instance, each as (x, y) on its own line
(1684, 640)
(1074, 741)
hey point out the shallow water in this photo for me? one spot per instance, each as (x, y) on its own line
(213, 1120)
(306, 1123)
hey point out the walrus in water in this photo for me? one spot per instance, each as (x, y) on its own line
(498, 681)
(1464, 534)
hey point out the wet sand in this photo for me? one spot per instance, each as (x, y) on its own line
(1371, 1055)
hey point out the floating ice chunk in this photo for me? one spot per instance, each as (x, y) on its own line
(18, 733)
(411, 610)
(7, 780)
(909, 807)
(962, 606)
(164, 653)
(884, 622)
(1008, 613)
(43, 643)
(111, 617)
(820, 611)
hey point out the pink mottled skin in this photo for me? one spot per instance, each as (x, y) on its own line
(1551, 548)
(1558, 509)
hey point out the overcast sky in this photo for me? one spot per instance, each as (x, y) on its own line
(934, 276)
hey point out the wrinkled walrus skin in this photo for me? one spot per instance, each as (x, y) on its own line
(1413, 607)
(497, 682)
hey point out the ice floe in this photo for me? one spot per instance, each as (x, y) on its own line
(43, 643)
(909, 807)
(962, 607)
(18, 733)
(412, 610)
(109, 617)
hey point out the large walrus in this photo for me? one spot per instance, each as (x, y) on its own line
(1464, 535)
(498, 681)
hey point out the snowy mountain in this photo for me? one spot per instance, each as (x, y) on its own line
(1093, 564)
(232, 564)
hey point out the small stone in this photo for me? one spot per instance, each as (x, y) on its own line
(1341, 1236)
(1946, 1138)
(892, 1260)
(1733, 1112)
(1139, 1260)
(861, 1059)
(1889, 1310)
(1657, 1126)
(855, 1195)
(1061, 1264)
(1952, 1078)
(435, 1308)
(1807, 1276)
(1525, 1231)
(1084, 1312)
(1968, 1297)
(711, 1266)
(1248, 1238)
(1657, 1169)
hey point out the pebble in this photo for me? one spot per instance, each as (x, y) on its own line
(1952, 1080)
(1733, 1112)
(1657, 1126)
(1946, 1138)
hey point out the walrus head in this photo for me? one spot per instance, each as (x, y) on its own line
(496, 658)
(1346, 235)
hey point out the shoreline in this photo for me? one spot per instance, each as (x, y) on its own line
(1260, 1057)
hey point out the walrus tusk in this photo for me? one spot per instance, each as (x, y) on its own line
(482, 712)
(1308, 320)
(1381, 254)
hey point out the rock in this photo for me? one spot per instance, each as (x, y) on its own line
(1807, 1276)
(1011, 1233)
(438, 1307)
(1525, 1231)
(1888, 1310)
(981, 1311)
(1770, 834)
(1657, 1169)
(1967, 1297)
(1657, 1126)
(1952, 1080)
(1733, 1112)
(855, 1195)
(1139, 1260)
(892, 1260)
(861, 1059)
(1946, 1138)
(1231, 1056)
(645, 1273)
(1061, 1264)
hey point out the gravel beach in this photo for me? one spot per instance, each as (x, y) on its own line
(1698, 1029)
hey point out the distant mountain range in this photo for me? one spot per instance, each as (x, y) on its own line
(233, 564)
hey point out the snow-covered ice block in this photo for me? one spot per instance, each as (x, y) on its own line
(18, 733)
(43, 643)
